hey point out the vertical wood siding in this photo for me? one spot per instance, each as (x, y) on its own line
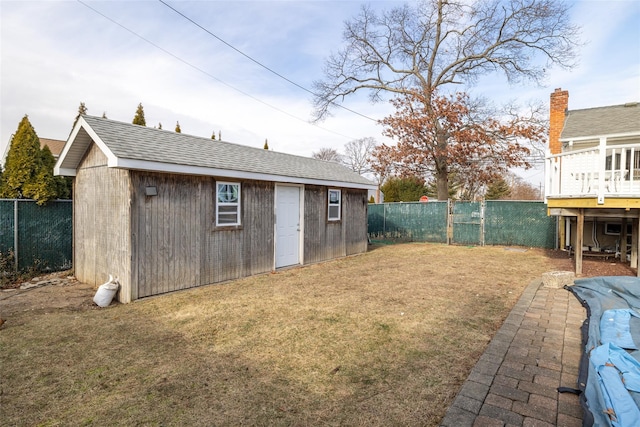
(163, 243)
(102, 223)
(168, 230)
(355, 218)
(177, 243)
(259, 246)
(324, 240)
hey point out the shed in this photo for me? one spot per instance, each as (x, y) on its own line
(164, 211)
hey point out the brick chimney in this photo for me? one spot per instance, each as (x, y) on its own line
(557, 112)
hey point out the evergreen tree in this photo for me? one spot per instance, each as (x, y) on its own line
(138, 119)
(61, 184)
(498, 189)
(82, 110)
(22, 159)
(28, 169)
(432, 188)
(266, 144)
(104, 114)
(45, 186)
(407, 189)
(178, 130)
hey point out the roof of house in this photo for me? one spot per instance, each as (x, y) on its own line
(615, 120)
(129, 146)
(55, 145)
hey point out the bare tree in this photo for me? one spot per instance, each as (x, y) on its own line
(420, 49)
(327, 154)
(521, 189)
(357, 154)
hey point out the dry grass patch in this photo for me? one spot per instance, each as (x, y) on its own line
(385, 338)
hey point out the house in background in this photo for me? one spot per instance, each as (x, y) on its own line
(55, 145)
(165, 211)
(592, 178)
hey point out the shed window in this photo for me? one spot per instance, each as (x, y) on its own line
(335, 202)
(228, 203)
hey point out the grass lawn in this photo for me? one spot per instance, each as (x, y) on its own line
(381, 339)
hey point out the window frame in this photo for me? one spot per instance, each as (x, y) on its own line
(220, 204)
(334, 204)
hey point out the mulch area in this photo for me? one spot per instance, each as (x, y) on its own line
(591, 267)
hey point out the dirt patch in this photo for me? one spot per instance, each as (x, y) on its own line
(44, 294)
(591, 267)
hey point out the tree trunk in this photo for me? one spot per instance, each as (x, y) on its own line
(442, 183)
(441, 164)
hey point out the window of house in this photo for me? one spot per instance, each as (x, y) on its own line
(614, 163)
(335, 202)
(228, 203)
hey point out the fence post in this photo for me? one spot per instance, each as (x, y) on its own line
(384, 220)
(449, 221)
(15, 233)
(482, 213)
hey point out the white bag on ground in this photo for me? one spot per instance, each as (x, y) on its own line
(106, 292)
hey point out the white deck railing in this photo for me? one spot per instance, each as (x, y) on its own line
(594, 172)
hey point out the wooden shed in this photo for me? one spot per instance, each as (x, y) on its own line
(164, 211)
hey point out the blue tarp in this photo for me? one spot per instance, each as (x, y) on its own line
(609, 375)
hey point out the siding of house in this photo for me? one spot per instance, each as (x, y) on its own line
(167, 231)
(177, 243)
(101, 222)
(247, 249)
(355, 215)
(324, 240)
(168, 242)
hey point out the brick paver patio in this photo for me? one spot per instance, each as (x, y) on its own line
(536, 350)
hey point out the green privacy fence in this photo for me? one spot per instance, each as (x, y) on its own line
(466, 222)
(422, 222)
(496, 222)
(39, 236)
(519, 223)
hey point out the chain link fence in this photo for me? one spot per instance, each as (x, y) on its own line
(43, 236)
(495, 222)
(519, 224)
(39, 237)
(422, 222)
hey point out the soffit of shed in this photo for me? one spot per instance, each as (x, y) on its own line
(74, 150)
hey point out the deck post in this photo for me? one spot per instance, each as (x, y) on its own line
(635, 242)
(579, 241)
(623, 241)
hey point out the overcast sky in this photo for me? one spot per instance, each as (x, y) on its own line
(56, 54)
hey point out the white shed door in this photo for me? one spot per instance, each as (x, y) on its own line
(287, 225)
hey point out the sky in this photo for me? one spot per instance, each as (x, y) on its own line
(113, 55)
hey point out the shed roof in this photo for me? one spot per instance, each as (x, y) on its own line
(615, 120)
(129, 146)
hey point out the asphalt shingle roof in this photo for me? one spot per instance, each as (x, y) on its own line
(594, 122)
(134, 142)
(55, 145)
